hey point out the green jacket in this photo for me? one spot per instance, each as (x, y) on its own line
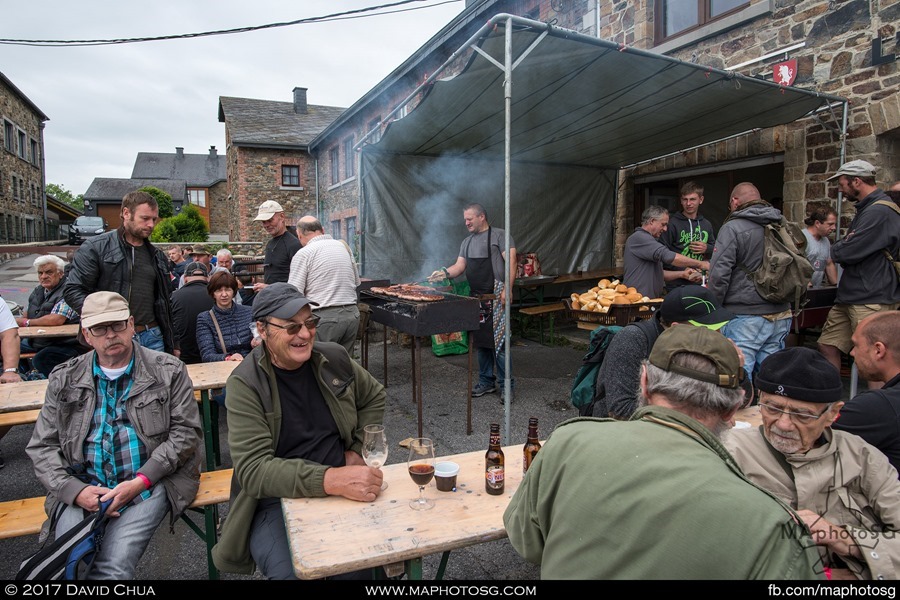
(355, 399)
(657, 497)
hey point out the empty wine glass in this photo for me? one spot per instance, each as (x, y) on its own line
(421, 469)
(375, 448)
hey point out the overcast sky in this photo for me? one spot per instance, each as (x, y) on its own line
(107, 103)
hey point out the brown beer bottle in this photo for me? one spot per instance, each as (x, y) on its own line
(532, 445)
(494, 463)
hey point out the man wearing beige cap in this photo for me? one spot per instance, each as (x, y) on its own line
(118, 424)
(281, 248)
(870, 282)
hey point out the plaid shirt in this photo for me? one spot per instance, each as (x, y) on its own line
(61, 308)
(113, 452)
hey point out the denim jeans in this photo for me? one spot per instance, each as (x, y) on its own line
(486, 362)
(151, 338)
(757, 337)
(126, 536)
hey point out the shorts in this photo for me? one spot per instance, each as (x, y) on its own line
(842, 322)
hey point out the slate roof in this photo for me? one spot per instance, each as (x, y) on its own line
(107, 189)
(198, 170)
(269, 123)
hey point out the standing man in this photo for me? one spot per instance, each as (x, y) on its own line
(669, 459)
(281, 248)
(645, 256)
(874, 415)
(128, 416)
(124, 261)
(870, 282)
(821, 223)
(689, 233)
(759, 327)
(177, 262)
(48, 308)
(324, 271)
(187, 302)
(482, 257)
(9, 351)
(297, 408)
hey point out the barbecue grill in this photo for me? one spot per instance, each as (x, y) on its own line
(422, 319)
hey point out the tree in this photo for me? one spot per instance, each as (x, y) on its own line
(163, 199)
(63, 195)
(187, 226)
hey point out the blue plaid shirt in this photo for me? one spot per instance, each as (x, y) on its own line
(113, 452)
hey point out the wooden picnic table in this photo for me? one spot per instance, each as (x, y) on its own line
(749, 415)
(56, 331)
(387, 531)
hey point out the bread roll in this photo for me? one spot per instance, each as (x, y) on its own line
(603, 284)
(574, 297)
(576, 304)
(633, 297)
(604, 301)
(621, 289)
(607, 293)
(631, 290)
(620, 300)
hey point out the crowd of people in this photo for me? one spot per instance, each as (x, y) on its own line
(812, 493)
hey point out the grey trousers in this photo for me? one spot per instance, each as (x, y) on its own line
(339, 324)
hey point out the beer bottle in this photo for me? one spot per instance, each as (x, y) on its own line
(493, 464)
(532, 445)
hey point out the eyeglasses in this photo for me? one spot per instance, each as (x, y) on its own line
(802, 417)
(294, 328)
(101, 330)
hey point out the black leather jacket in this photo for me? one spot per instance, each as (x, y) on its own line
(104, 263)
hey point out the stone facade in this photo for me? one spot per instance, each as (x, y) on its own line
(219, 212)
(22, 200)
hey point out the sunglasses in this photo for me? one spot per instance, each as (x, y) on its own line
(294, 328)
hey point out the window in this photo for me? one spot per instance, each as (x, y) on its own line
(290, 176)
(374, 124)
(33, 195)
(349, 158)
(9, 136)
(678, 16)
(23, 146)
(34, 152)
(334, 157)
(351, 229)
(336, 229)
(2, 187)
(22, 190)
(197, 197)
(15, 186)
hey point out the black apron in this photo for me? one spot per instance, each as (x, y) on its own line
(480, 274)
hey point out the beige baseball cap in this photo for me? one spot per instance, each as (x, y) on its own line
(855, 168)
(267, 210)
(104, 307)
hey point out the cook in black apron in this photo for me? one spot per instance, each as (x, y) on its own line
(480, 274)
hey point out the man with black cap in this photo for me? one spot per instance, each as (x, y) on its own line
(295, 428)
(658, 497)
(868, 253)
(844, 489)
(617, 380)
(187, 302)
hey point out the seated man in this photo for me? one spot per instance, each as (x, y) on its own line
(845, 490)
(658, 497)
(9, 350)
(48, 308)
(128, 416)
(874, 415)
(619, 374)
(295, 427)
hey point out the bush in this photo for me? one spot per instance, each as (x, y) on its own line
(163, 199)
(187, 226)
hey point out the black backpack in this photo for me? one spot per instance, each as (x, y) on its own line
(585, 385)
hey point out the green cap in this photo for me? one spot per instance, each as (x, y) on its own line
(699, 340)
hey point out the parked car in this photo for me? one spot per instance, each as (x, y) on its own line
(85, 227)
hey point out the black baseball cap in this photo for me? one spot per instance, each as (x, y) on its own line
(196, 269)
(696, 305)
(281, 300)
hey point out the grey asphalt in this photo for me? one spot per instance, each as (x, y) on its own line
(543, 377)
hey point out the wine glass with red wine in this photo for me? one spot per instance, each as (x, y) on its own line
(421, 469)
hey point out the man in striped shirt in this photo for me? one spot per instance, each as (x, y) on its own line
(324, 271)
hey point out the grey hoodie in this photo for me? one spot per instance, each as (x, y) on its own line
(740, 242)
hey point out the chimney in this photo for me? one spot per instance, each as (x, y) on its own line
(179, 152)
(212, 152)
(300, 100)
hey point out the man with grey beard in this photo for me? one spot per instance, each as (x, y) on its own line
(844, 489)
(658, 497)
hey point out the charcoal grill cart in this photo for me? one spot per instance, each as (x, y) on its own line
(424, 319)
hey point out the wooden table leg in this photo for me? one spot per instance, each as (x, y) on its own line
(469, 388)
(417, 378)
(384, 348)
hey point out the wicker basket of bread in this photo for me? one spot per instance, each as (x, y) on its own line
(611, 303)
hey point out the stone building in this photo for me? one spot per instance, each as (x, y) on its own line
(203, 175)
(268, 157)
(103, 197)
(23, 208)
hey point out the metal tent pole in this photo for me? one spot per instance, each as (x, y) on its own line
(507, 95)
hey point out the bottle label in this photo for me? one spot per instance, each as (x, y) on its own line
(494, 476)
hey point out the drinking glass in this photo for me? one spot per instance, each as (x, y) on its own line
(375, 448)
(421, 469)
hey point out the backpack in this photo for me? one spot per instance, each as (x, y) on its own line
(785, 272)
(893, 206)
(585, 383)
(70, 555)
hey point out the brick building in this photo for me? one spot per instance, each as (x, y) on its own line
(268, 157)
(23, 208)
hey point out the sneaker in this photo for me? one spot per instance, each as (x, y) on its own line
(481, 389)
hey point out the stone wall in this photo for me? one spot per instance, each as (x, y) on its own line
(219, 209)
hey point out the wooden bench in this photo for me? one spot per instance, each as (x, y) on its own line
(542, 311)
(25, 517)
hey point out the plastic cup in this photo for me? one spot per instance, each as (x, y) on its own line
(445, 476)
